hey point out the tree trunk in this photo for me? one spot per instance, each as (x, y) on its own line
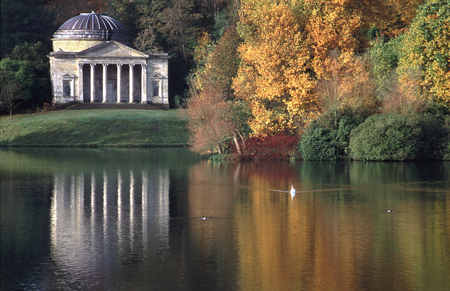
(242, 139)
(219, 149)
(236, 142)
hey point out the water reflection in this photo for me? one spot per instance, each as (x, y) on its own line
(100, 219)
(344, 239)
(128, 220)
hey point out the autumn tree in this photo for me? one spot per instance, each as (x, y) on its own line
(217, 65)
(334, 25)
(426, 50)
(396, 17)
(347, 88)
(274, 75)
(209, 122)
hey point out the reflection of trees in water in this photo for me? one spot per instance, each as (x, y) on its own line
(343, 239)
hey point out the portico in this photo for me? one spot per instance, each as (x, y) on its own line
(115, 84)
(109, 71)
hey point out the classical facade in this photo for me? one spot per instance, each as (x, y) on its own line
(92, 61)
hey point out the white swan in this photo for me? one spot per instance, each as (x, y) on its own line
(292, 191)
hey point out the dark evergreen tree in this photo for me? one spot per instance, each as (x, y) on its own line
(24, 21)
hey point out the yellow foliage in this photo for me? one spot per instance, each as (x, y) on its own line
(333, 26)
(273, 75)
(426, 50)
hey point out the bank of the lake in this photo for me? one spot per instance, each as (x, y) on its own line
(95, 128)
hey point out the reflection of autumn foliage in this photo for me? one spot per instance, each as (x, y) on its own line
(276, 147)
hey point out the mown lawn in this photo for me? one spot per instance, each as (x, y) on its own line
(114, 127)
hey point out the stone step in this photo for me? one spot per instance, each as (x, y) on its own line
(85, 106)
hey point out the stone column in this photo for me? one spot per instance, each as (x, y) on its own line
(131, 83)
(105, 83)
(144, 84)
(80, 83)
(92, 83)
(119, 82)
(161, 93)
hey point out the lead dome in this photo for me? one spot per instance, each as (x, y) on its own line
(89, 27)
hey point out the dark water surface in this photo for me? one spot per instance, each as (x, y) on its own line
(115, 219)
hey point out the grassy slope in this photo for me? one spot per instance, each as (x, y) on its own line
(94, 128)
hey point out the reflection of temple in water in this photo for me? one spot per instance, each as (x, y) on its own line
(114, 211)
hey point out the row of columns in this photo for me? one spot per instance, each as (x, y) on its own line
(119, 82)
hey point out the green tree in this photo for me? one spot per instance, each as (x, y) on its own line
(10, 92)
(29, 65)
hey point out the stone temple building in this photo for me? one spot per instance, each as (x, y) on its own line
(92, 61)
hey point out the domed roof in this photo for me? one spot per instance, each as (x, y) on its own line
(92, 21)
(93, 26)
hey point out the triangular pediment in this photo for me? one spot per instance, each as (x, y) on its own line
(111, 49)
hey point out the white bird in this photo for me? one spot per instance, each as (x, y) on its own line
(292, 191)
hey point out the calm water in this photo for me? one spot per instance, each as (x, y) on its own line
(129, 220)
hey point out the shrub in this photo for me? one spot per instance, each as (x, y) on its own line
(320, 143)
(396, 137)
(446, 147)
(276, 147)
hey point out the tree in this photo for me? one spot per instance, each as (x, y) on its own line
(218, 65)
(274, 75)
(207, 120)
(66, 9)
(426, 50)
(347, 88)
(24, 21)
(30, 67)
(334, 25)
(10, 96)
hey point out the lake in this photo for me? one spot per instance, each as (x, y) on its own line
(131, 219)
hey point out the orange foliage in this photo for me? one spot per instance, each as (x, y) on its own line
(207, 120)
(398, 16)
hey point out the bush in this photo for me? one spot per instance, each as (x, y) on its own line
(276, 147)
(320, 143)
(396, 137)
(446, 148)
